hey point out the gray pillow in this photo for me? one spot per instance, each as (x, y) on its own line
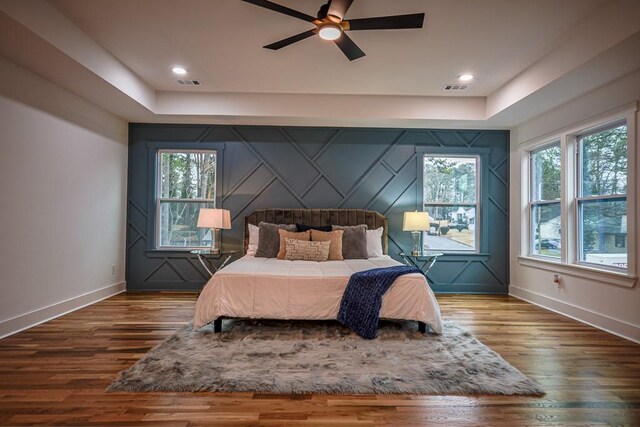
(354, 241)
(269, 239)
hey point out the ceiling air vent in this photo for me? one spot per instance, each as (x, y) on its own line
(188, 82)
(456, 87)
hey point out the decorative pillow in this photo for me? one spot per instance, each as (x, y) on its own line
(253, 239)
(335, 237)
(269, 239)
(303, 227)
(284, 234)
(306, 251)
(374, 242)
(354, 241)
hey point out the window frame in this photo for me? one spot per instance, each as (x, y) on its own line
(475, 205)
(580, 199)
(482, 185)
(160, 199)
(532, 203)
(568, 263)
(153, 221)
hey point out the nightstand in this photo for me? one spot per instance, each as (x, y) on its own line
(205, 256)
(424, 261)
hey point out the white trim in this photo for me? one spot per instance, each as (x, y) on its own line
(584, 125)
(33, 318)
(583, 271)
(600, 321)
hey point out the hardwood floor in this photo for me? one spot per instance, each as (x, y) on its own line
(56, 373)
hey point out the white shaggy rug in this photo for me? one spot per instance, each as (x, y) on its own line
(324, 357)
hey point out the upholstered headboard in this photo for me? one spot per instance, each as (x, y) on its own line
(373, 220)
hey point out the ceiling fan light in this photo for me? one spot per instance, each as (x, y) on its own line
(330, 32)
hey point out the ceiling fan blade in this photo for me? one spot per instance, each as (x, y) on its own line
(339, 8)
(290, 40)
(397, 22)
(281, 9)
(349, 48)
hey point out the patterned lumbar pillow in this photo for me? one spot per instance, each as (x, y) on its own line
(284, 235)
(335, 237)
(306, 251)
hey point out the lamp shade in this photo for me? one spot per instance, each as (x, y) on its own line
(416, 221)
(214, 218)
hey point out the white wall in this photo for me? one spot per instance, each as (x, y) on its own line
(63, 199)
(594, 300)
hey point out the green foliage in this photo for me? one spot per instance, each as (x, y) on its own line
(604, 172)
(546, 174)
(191, 176)
(604, 162)
(449, 179)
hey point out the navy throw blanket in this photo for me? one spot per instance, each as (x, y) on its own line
(360, 306)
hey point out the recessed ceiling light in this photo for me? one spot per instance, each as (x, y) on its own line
(179, 71)
(465, 77)
(330, 32)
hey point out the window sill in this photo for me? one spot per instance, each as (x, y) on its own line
(168, 251)
(597, 274)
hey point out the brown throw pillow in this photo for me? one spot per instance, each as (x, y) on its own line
(354, 241)
(335, 237)
(284, 234)
(306, 251)
(269, 239)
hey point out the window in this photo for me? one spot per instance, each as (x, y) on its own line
(185, 182)
(544, 201)
(577, 196)
(602, 196)
(450, 196)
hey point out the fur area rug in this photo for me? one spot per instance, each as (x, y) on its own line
(324, 357)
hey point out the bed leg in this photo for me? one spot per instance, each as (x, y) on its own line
(422, 327)
(217, 325)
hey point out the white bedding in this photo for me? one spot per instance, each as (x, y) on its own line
(279, 289)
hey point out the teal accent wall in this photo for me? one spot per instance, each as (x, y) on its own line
(319, 167)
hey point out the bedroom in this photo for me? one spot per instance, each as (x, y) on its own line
(90, 103)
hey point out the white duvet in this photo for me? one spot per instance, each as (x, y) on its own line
(280, 289)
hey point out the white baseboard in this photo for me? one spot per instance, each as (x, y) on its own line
(597, 320)
(28, 320)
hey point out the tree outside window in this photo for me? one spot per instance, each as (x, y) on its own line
(544, 205)
(602, 196)
(186, 182)
(450, 196)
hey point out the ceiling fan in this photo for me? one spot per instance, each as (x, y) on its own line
(331, 25)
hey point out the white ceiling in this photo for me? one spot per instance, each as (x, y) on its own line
(528, 57)
(220, 42)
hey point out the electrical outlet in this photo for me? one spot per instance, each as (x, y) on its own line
(113, 269)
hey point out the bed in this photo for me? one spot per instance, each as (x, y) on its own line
(280, 289)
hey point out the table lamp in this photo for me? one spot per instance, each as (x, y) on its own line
(215, 219)
(416, 222)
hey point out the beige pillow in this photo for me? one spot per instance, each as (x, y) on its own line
(305, 235)
(306, 251)
(335, 237)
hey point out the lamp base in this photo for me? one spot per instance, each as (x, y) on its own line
(215, 241)
(416, 243)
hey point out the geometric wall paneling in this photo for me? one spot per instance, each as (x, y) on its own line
(475, 272)
(289, 167)
(446, 271)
